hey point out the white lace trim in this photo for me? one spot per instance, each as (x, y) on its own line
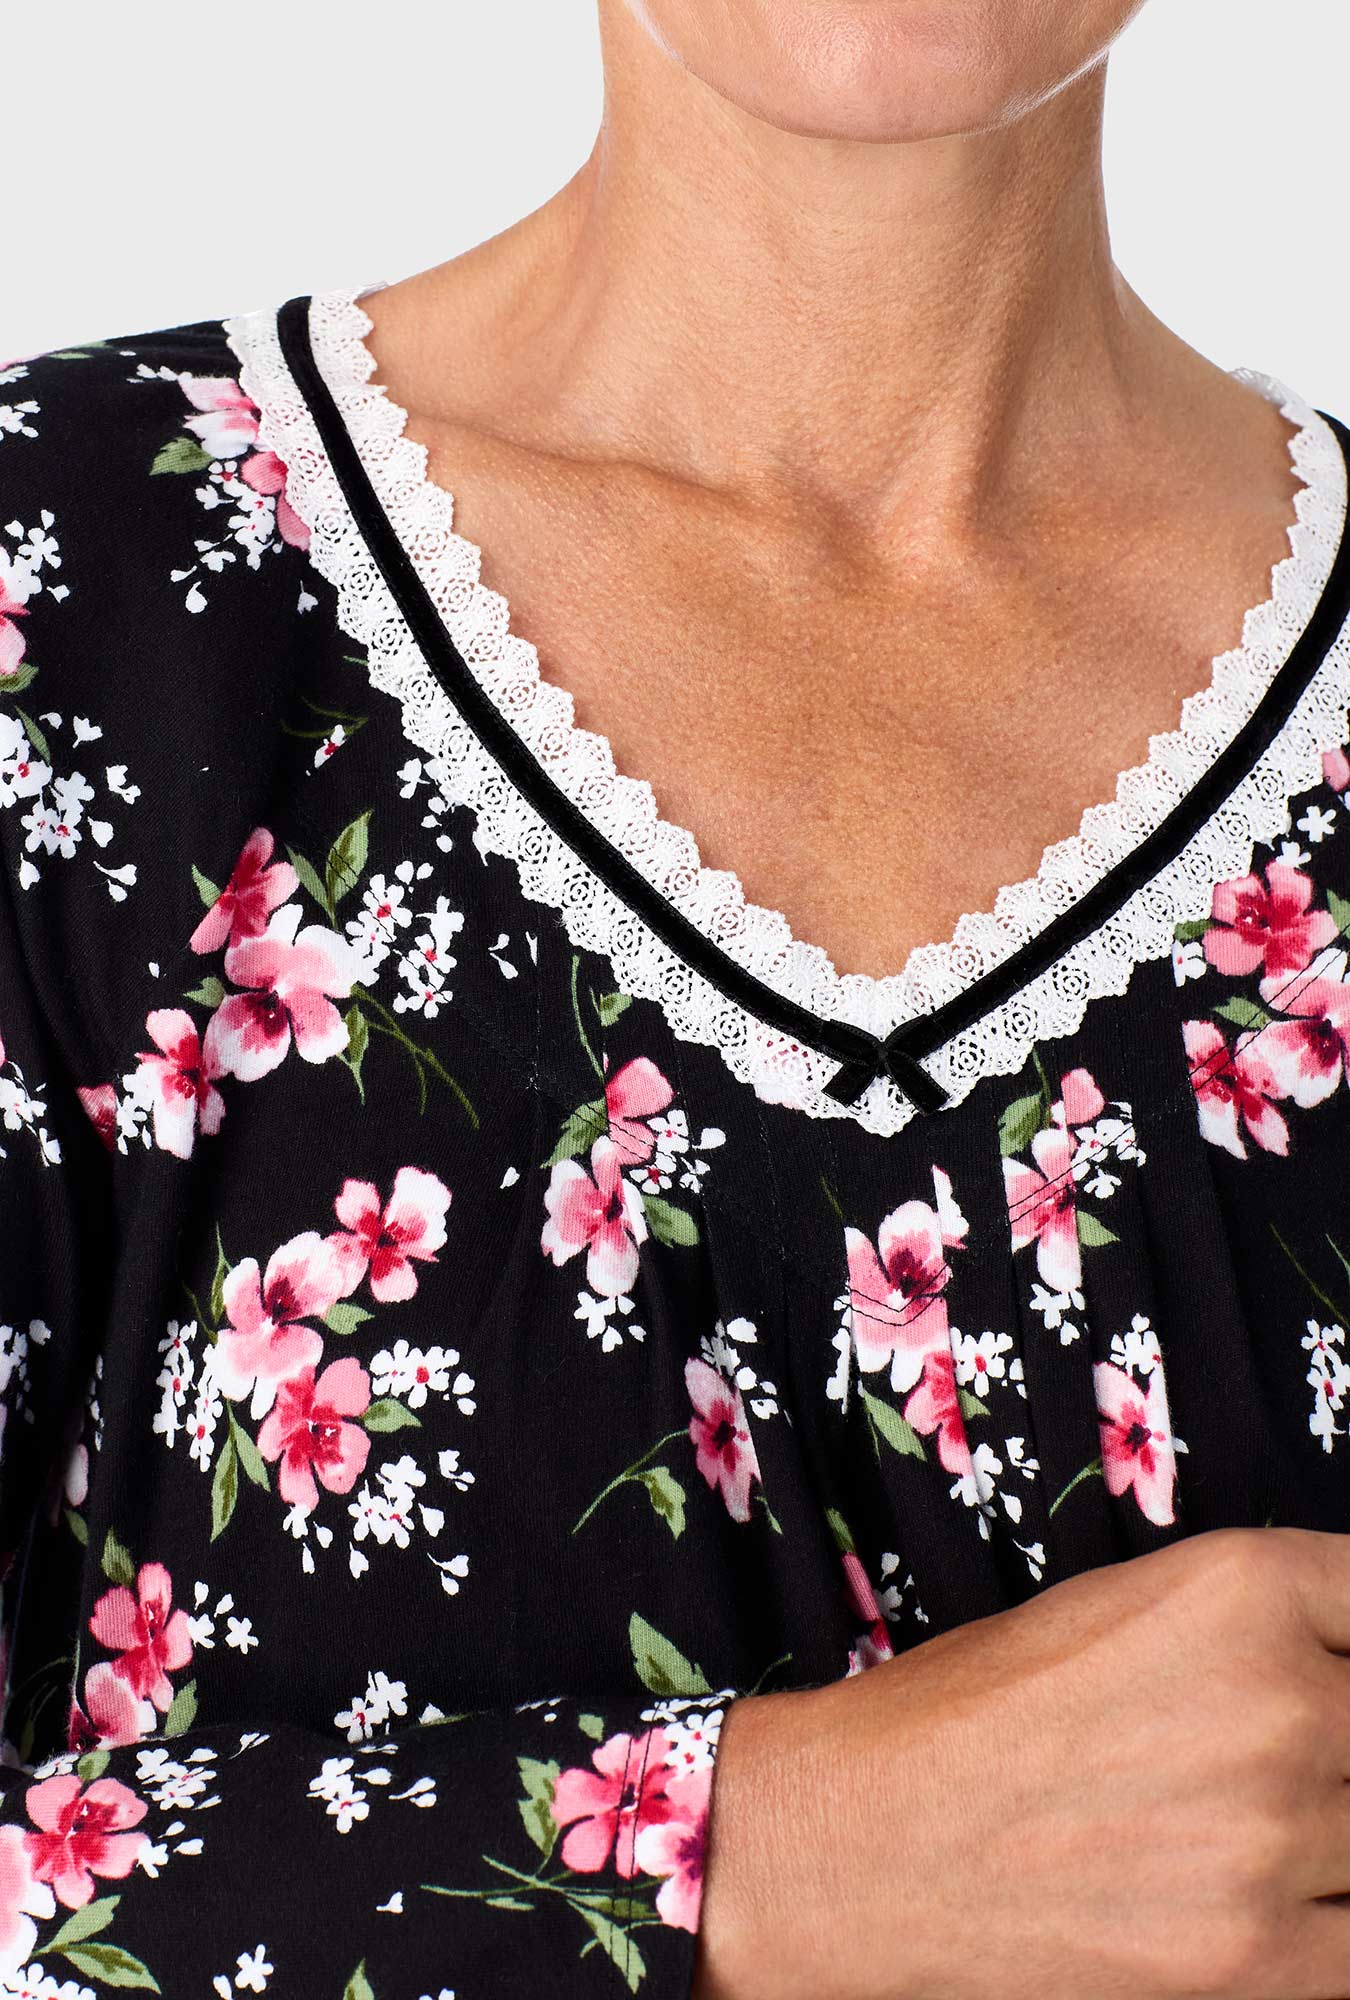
(623, 809)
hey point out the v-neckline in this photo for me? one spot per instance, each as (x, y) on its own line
(883, 1046)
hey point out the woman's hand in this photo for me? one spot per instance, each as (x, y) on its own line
(1134, 1784)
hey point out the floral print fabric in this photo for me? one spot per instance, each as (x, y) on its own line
(432, 1391)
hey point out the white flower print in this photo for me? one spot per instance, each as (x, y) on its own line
(721, 1351)
(1053, 1308)
(342, 1797)
(608, 1319)
(14, 417)
(384, 912)
(174, 1380)
(252, 1974)
(1137, 1349)
(1316, 824)
(371, 1710)
(451, 1469)
(413, 1373)
(1188, 960)
(453, 1573)
(1329, 1378)
(201, 1425)
(426, 967)
(31, 1982)
(979, 1358)
(976, 1488)
(175, 1786)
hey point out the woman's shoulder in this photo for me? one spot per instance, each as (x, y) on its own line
(156, 607)
(80, 415)
(137, 503)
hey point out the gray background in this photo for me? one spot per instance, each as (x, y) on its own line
(164, 164)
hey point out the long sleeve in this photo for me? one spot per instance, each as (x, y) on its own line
(551, 1848)
(277, 1710)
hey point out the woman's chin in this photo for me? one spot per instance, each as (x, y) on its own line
(885, 71)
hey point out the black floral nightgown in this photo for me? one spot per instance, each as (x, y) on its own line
(476, 1295)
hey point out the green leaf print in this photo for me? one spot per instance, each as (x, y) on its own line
(1191, 931)
(358, 1987)
(182, 1710)
(117, 1564)
(206, 888)
(224, 1487)
(182, 454)
(1244, 1013)
(616, 1944)
(580, 1132)
(85, 1923)
(387, 1414)
(347, 859)
(358, 1041)
(609, 1006)
(308, 876)
(666, 1495)
(1020, 1123)
(209, 994)
(536, 1808)
(111, 1965)
(1093, 1233)
(669, 1224)
(344, 1317)
(901, 1436)
(661, 1666)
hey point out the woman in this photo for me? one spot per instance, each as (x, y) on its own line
(489, 1304)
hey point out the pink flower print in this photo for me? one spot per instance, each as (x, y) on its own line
(896, 1302)
(79, 1834)
(1080, 1101)
(606, 1808)
(875, 1644)
(634, 1093)
(265, 473)
(1308, 1055)
(100, 1107)
(1233, 1088)
(677, 1849)
(255, 888)
(180, 1081)
(388, 1239)
(1136, 1434)
(268, 1338)
(935, 1406)
(307, 1429)
(113, 1713)
(22, 1897)
(13, 591)
(1267, 924)
(292, 981)
(151, 1640)
(1336, 769)
(723, 1447)
(952, 1224)
(1042, 1208)
(598, 1212)
(228, 422)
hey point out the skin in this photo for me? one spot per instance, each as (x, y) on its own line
(834, 468)
(843, 481)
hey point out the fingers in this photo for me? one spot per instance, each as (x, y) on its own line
(1321, 1864)
(1315, 1963)
(1316, 1566)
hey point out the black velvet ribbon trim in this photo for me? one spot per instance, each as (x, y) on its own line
(862, 1057)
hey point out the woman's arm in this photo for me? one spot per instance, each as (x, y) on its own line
(1134, 1785)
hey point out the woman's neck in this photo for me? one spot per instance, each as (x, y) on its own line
(862, 328)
